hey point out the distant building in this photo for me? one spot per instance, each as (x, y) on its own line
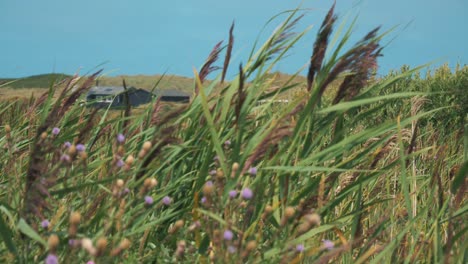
(172, 96)
(114, 96)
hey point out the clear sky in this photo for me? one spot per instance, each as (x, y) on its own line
(154, 36)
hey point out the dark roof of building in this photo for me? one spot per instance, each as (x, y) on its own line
(171, 92)
(107, 90)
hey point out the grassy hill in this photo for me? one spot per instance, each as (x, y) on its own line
(37, 84)
(35, 81)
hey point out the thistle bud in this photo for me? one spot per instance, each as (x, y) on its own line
(120, 183)
(101, 245)
(208, 188)
(147, 146)
(129, 161)
(75, 218)
(251, 245)
(313, 219)
(7, 128)
(44, 135)
(124, 244)
(53, 242)
(268, 209)
(72, 150)
(289, 212)
(141, 154)
(219, 173)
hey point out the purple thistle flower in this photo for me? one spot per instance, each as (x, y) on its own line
(80, 147)
(300, 248)
(65, 158)
(253, 171)
(203, 200)
(216, 158)
(213, 172)
(126, 191)
(148, 200)
(120, 138)
(232, 194)
(227, 142)
(231, 249)
(228, 235)
(90, 262)
(45, 224)
(209, 183)
(120, 163)
(247, 194)
(328, 244)
(167, 200)
(67, 144)
(51, 259)
(55, 131)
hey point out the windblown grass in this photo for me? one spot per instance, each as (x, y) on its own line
(355, 177)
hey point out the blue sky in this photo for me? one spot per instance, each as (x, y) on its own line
(151, 36)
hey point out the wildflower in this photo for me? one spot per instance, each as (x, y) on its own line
(45, 224)
(120, 163)
(80, 147)
(253, 171)
(216, 158)
(300, 248)
(55, 131)
(90, 262)
(65, 158)
(203, 200)
(148, 200)
(227, 143)
(328, 244)
(247, 194)
(67, 144)
(51, 259)
(73, 242)
(232, 194)
(126, 191)
(167, 200)
(120, 138)
(231, 249)
(213, 172)
(228, 235)
(208, 188)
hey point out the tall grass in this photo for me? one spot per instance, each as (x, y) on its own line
(349, 175)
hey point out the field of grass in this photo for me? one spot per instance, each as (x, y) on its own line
(352, 169)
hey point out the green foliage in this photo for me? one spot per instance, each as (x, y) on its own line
(230, 178)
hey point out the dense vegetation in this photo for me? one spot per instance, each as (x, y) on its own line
(369, 170)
